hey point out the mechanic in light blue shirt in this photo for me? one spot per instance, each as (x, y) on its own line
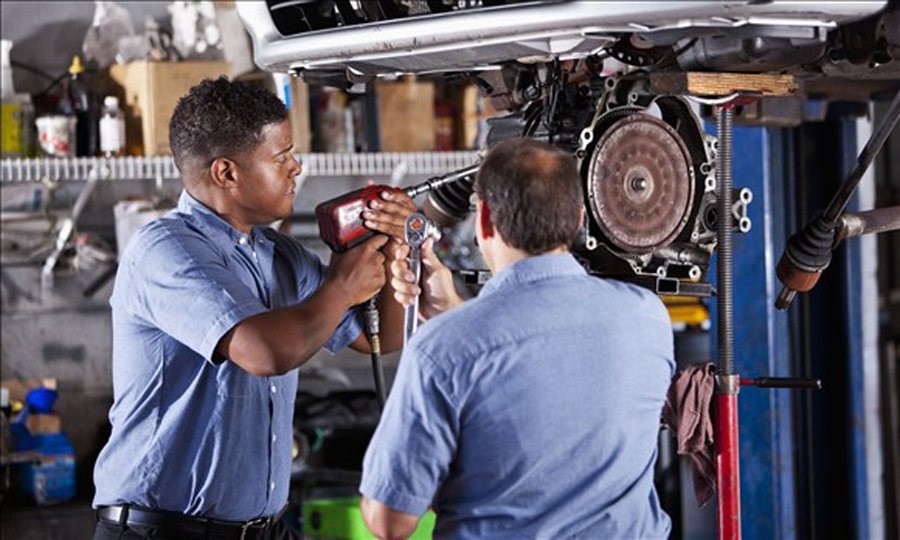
(533, 410)
(212, 313)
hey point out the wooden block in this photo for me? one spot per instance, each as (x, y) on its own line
(406, 115)
(151, 90)
(722, 84)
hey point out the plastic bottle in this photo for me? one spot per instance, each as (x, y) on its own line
(86, 106)
(17, 129)
(112, 128)
(57, 133)
(6, 84)
(5, 406)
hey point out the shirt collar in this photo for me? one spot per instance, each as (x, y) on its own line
(214, 224)
(531, 269)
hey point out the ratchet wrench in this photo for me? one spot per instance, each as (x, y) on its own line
(418, 229)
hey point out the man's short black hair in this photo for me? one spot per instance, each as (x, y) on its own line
(533, 192)
(220, 118)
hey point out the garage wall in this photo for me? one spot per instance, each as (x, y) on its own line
(57, 332)
(46, 35)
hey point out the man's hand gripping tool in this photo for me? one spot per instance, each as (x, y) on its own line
(341, 227)
(418, 229)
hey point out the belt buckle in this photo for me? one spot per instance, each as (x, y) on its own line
(260, 521)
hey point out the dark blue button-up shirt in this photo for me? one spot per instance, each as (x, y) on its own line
(531, 411)
(191, 433)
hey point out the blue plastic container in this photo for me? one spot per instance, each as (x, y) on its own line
(52, 480)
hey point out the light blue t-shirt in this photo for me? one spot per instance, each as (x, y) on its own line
(191, 433)
(532, 411)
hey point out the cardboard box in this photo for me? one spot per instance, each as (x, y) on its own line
(19, 388)
(42, 424)
(299, 116)
(406, 115)
(150, 92)
(472, 110)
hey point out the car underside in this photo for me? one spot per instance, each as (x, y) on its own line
(612, 82)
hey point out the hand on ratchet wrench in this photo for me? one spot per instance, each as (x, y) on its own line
(418, 230)
(435, 288)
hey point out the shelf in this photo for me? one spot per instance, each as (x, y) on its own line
(163, 168)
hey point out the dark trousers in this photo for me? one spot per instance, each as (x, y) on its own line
(279, 530)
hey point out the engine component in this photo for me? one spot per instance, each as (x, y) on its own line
(808, 251)
(648, 173)
(640, 184)
(449, 204)
(635, 51)
(751, 54)
(649, 181)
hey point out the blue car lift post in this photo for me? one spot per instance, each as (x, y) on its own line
(760, 502)
(766, 435)
(759, 346)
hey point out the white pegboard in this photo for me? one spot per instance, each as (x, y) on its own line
(162, 167)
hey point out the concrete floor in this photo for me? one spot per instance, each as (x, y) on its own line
(67, 521)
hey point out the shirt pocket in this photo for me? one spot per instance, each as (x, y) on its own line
(234, 382)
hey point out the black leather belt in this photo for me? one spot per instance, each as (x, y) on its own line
(174, 522)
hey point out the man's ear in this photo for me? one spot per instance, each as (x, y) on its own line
(223, 172)
(484, 217)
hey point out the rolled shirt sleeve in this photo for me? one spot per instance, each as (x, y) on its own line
(309, 282)
(347, 331)
(413, 446)
(184, 287)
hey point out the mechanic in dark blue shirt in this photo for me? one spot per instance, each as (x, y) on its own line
(212, 312)
(533, 410)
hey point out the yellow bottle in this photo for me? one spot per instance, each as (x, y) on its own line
(16, 112)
